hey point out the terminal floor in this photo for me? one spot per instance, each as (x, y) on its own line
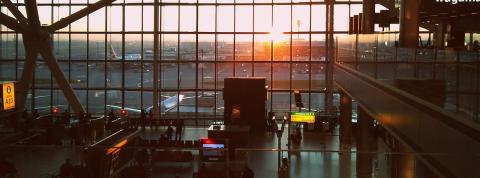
(320, 157)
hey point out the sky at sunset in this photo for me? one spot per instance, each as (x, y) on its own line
(275, 20)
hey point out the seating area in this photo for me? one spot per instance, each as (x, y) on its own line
(155, 122)
(171, 143)
(169, 155)
(172, 156)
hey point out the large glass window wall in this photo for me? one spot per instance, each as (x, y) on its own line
(108, 55)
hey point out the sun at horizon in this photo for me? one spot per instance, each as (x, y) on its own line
(277, 35)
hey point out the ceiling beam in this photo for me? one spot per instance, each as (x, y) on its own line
(64, 22)
(14, 10)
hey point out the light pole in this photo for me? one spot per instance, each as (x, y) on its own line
(280, 128)
(202, 66)
(299, 22)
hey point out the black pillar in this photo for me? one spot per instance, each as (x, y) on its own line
(365, 144)
(404, 163)
(439, 35)
(368, 22)
(457, 38)
(345, 120)
(409, 23)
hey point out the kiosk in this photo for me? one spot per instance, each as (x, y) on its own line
(245, 102)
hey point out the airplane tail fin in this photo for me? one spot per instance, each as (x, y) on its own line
(113, 54)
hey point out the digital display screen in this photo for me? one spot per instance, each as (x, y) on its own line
(213, 152)
(308, 117)
(213, 145)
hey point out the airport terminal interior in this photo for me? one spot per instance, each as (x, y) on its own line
(239, 88)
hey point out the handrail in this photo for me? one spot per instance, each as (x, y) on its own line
(467, 127)
(375, 54)
(417, 124)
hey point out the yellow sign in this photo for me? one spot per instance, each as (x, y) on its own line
(8, 96)
(308, 117)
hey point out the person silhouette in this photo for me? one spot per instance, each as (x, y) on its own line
(475, 46)
(66, 170)
(169, 132)
(178, 130)
(247, 172)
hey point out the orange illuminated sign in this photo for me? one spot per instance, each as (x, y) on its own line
(8, 96)
(117, 147)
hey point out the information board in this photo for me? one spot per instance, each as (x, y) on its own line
(308, 117)
(8, 96)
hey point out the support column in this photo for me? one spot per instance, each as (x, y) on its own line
(345, 121)
(368, 25)
(360, 22)
(405, 163)
(364, 144)
(330, 58)
(356, 20)
(345, 164)
(27, 74)
(457, 38)
(155, 60)
(409, 23)
(439, 35)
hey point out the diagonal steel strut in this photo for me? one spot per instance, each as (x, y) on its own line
(15, 11)
(64, 22)
(49, 58)
(37, 41)
(12, 23)
(28, 70)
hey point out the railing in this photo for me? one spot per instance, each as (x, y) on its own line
(306, 162)
(457, 71)
(190, 119)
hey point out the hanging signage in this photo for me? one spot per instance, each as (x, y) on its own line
(8, 97)
(308, 117)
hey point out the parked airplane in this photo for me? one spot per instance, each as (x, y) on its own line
(165, 105)
(128, 56)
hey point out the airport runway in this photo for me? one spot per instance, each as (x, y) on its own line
(90, 79)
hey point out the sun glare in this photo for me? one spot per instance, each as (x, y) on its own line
(277, 35)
